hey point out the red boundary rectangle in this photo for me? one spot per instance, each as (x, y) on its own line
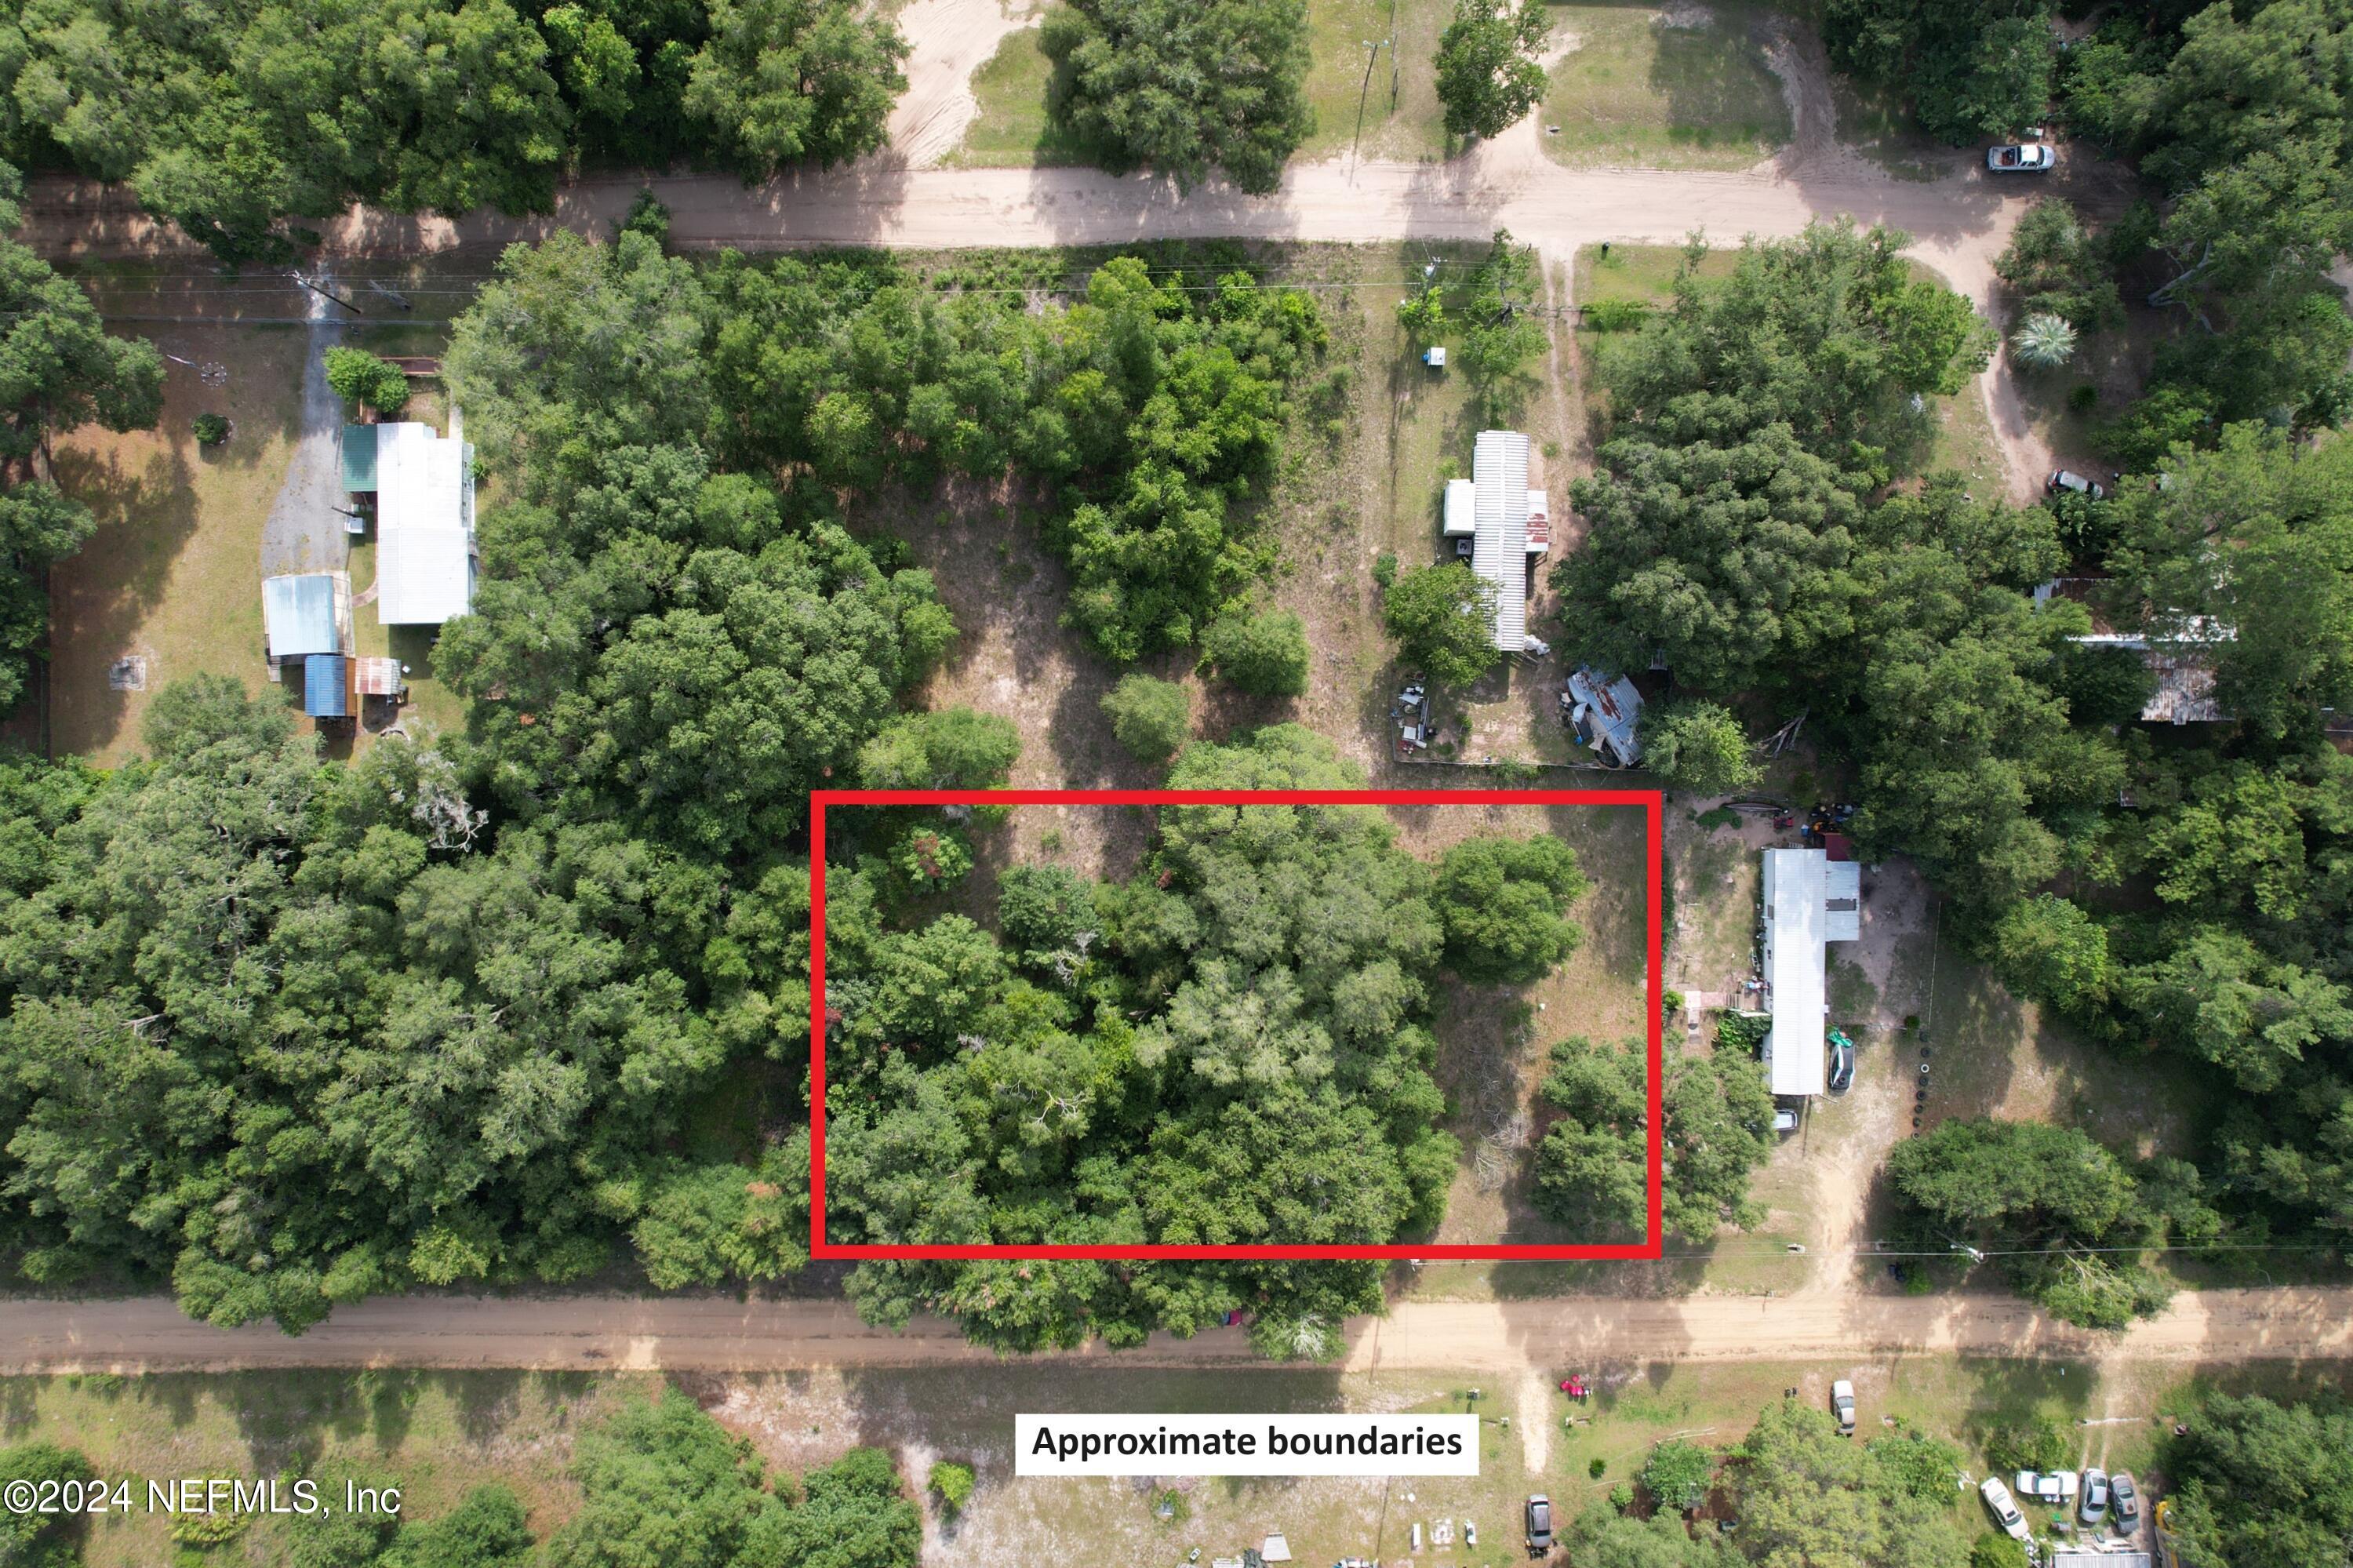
(1654, 805)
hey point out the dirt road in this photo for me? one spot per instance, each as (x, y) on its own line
(722, 1334)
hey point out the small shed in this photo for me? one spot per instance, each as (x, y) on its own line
(326, 690)
(300, 616)
(376, 677)
(1461, 509)
(359, 459)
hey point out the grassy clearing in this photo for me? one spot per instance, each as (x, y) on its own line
(1011, 128)
(1396, 114)
(435, 1435)
(1686, 89)
(172, 576)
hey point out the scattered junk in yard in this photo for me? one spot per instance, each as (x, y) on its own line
(1411, 712)
(127, 674)
(1434, 356)
(1604, 713)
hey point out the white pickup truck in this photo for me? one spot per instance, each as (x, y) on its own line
(2021, 158)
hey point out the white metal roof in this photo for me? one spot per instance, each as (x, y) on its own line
(425, 526)
(1499, 554)
(1841, 900)
(1796, 992)
(1461, 509)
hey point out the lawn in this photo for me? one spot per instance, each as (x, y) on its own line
(1011, 127)
(435, 1435)
(1396, 113)
(1685, 87)
(172, 576)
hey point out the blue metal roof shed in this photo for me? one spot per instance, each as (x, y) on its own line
(325, 691)
(297, 615)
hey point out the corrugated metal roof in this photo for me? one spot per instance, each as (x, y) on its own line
(425, 526)
(1797, 985)
(297, 615)
(1610, 710)
(324, 694)
(359, 458)
(1499, 554)
(1841, 899)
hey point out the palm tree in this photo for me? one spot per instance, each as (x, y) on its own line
(2043, 341)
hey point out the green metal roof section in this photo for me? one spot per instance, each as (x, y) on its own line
(359, 459)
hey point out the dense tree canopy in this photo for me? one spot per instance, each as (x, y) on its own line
(1443, 621)
(1805, 1494)
(2261, 1485)
(235, 120)
(1971, 70)
(1184, 87)
(1231, 1047)
(1589, 1167)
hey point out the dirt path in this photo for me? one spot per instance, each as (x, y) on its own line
(952, 38)
(303, 532)
(1521, 1338)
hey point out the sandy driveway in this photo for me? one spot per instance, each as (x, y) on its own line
(304, 533)
(722, 1334)
(951, 39)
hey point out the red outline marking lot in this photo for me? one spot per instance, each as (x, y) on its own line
(1651, 803)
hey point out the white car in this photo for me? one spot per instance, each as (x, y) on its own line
(1842, 1406)
(2095, 1506)
(2004, 1509)
(2021, 158)
(2056, 1487)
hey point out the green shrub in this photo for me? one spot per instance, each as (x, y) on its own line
(360, 378)
(951, 1483)
(1615, 315)
(1263, 654)
(1151, 718)
(2030, 1443)
(2082, 398)
(211, 429)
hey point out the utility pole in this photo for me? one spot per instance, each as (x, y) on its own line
(1372, 54)
(326, 294)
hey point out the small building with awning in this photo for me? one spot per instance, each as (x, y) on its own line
(423, 483)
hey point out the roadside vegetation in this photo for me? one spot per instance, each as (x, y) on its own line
(243, 128)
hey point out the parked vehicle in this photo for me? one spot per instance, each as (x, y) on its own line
(2056, 1487)
(1841, 1076)
(2093, 1509)
(2068, 479)
(2004, 1509)
(2021, 158)
(1539, 1525)
(2124, 1503)
(1784, 1120)
(1842, 1406)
